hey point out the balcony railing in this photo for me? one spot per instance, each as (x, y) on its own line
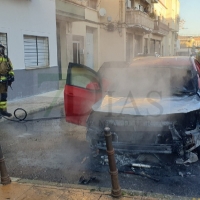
(139, 19)
(70, 10)
(81, 3)
(173, 24)
(160, 28)
(148, 1)
(86, 3)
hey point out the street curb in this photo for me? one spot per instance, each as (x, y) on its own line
(32, 111)
(95, 189)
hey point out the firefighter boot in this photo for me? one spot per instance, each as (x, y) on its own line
(5, 113)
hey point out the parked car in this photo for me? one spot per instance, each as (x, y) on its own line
(151, 105)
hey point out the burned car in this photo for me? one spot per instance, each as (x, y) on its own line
(150, 105)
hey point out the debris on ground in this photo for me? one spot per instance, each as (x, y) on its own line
(84, 159)
(84, 181)
(142, 173)
(180, 174)
(152, 158)
(180, 161)
(124, 159)
(140, 165)
(95, 153)
(104, 160)
(192, 158)
(151, 166)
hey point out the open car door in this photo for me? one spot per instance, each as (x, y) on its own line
(81, 91)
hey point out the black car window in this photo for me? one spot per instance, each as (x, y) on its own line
(81, 77)
(140, 82)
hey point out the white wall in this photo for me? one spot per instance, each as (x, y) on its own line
(32, 17)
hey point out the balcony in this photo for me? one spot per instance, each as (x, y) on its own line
(81, 3)
(87, 3)
(173, 25)
(160, 28)
(139, 20)
(69, 10)
(148, 1)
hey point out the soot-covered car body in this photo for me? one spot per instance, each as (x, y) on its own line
(151, 105)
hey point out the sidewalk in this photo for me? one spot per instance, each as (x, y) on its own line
(36, 103)
(40, 190)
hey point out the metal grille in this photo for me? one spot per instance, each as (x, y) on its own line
(3, 40)
(36, 51)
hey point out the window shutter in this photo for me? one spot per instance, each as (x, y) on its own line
(30, 51)
(36, 51)
(43, 52)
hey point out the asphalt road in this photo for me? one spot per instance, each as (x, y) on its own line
(54, 150)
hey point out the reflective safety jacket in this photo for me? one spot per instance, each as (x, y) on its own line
(6, 68)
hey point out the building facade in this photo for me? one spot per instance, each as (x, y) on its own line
(43, 36)
(28, 29)
(189, 45)
(77, 33)
(92, 32)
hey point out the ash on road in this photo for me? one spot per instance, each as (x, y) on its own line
(57, 151)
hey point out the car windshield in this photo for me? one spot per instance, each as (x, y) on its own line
(147, 81)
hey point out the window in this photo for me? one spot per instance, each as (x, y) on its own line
(36, 51)
(3, 40)
(81, 77)
(76, 52)
(92, 4)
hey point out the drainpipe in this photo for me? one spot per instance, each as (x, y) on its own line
(116, 190)
(5, 179)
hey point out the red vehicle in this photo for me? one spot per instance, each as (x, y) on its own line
(151, 105)
(84, 87)
(82, 90)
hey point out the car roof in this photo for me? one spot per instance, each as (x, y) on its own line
(112, 67)
(178, 61)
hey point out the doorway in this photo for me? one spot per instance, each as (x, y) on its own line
(90, 50)
(76, 52)
(129, 47)
(138, 41)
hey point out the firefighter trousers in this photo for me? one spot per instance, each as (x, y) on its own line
(3, 101)
(3, 97)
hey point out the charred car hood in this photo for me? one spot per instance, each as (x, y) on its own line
(147, 106)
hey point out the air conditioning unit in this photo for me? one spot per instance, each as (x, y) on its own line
(128, 3)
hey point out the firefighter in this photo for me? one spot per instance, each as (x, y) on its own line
(6, 79)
